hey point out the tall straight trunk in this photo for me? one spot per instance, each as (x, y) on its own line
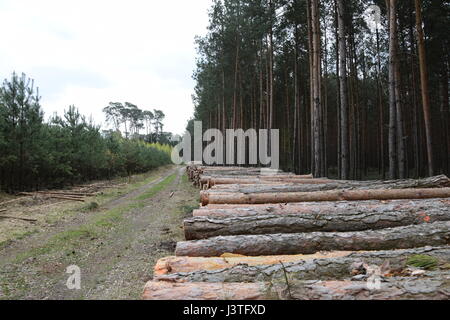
(325, 107)
(317, 112)
(271, 78)
(445, 113)
(343, 92)
(235, 91)
(311, 83)
(381, 108)
(296, 103)
(392, 98)
(399, 117)
(261, 90)
(338, 92)
(424, 86)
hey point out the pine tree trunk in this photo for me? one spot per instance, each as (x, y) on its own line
(424, 85)
(357, 220)
(343, 92)
(391, 4)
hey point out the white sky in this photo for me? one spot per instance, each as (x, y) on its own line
(91, 52)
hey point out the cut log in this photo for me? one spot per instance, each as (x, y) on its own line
(160, 290)
(17, 218)
(321, 208)
(239, 179)
(434, 234)
(337, 265)
(208, 197)
(66, 198)
(10, 201)
(53, 196)
(69, 194)
(172, 265)
(207, 227)
(434, 286)
(242, 183)
(303, 185)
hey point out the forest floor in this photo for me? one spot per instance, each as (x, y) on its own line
(115, 245)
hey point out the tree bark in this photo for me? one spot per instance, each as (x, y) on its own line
(322, 208)
(304, 186)
(424, 85)
(358, 220)
(435, 234)
(320, 196)
(256, 179)
(334, 266)
(343, 92)
(391, 4)
(434, 287)
(172, 265)
(161, 290)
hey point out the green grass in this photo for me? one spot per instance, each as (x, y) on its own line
(156, 188)
(423, 262)
(103, 222)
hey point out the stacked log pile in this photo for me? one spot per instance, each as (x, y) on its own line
(283, 236)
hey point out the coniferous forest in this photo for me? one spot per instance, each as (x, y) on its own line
(358, 90)
(70, 149)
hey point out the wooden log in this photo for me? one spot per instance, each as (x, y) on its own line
(53, 196)
(66, 198)
(320, 208)
(434, 286)
(160, 290)
(434, 234)
(11, 201)
(220, 182)
(335, 195)
(239, 179)
(170, 265)
(340, 220)
(17, 218)
(304, 186)
(337, 265)
(295, 184)
(70, 194)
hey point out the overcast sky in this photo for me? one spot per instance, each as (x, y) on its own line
(91, 52)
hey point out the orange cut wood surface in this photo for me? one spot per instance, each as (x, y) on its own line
(171, 265)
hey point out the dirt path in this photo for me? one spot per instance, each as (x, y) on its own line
(115, 247)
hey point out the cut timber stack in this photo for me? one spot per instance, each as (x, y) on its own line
(284, 236)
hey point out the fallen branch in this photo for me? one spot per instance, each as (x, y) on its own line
(435, 234)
